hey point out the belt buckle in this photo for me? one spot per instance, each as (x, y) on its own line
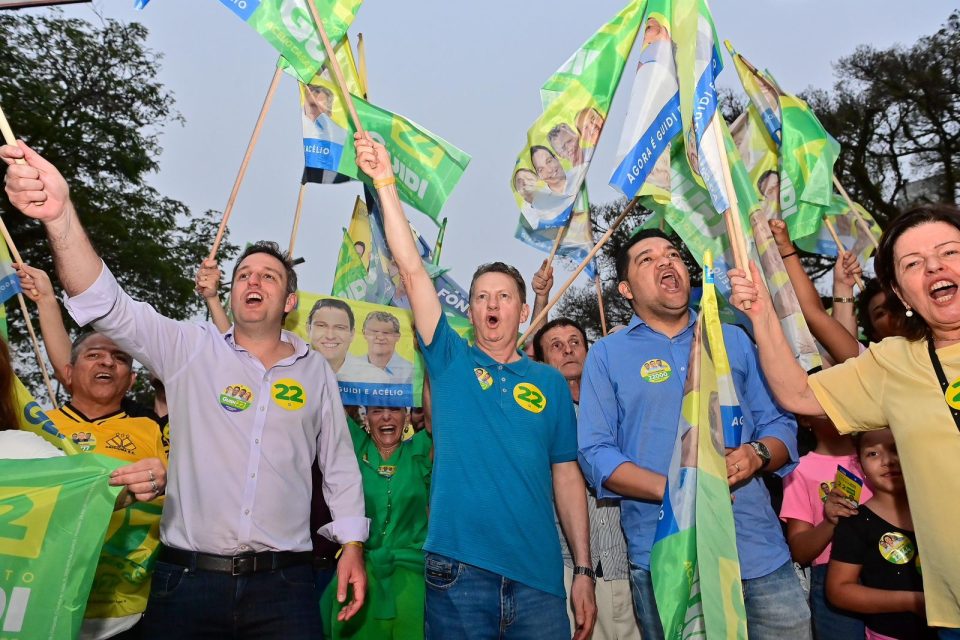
(239, 566)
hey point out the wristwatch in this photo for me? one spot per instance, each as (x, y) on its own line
(762, 451)
(585, 571)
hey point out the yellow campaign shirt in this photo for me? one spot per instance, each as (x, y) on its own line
(893, 384)
(121, 584)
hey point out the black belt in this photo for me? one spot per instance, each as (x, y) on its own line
(235, 565)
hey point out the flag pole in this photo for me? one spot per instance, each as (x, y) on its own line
(855, 212)
(362, 65)
(556, 241)
(245, 162)
(296, 219)
(335, 65)
(731, 216)
(438, 245)
(603, 315)
(627, 210)
(10, 139)
(840, 248)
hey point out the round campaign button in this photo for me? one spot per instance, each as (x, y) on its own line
(896, 548)
(289, 394)
(656, 371)
(529, 397)
(236, 397)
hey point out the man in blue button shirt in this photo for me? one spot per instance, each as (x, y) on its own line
(630, 399)
(504, 433)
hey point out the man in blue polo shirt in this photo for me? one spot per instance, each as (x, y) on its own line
(630, 398)
(504, 433)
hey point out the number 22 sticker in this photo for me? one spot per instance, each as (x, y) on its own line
(289, 394)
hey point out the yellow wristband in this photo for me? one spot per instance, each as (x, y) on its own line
(352, 543)
(386, 182)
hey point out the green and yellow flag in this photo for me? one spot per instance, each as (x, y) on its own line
(694, 563)
(53, 516)
(289, 27)
(350, 279)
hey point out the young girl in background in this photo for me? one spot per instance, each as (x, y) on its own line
(875, 564)
(812, 512)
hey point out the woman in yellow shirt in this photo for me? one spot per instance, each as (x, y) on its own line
(911, 384)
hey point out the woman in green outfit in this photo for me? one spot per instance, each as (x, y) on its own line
(396, 488)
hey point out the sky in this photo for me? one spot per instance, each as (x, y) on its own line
(469, 72)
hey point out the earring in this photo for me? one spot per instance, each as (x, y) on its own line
(909, 312)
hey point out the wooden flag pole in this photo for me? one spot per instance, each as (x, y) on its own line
(731, 216)
(335, 65)
(11, 139)
(556, 241)
(840, 248)
(296, 219)
(603, 315)
(362, 64)
(855, 212)
(246, 161)
(583, 265)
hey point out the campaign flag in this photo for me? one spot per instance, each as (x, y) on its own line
(694, 563)
(9, 285)
(807, 152)
(426, 166)
(371, 348)
(577, 240)
(140, 4)
(54, 513)
(552, 166)
(32, 418)
(349, 280)
(289, 27)
(759, 155)
(852, 235)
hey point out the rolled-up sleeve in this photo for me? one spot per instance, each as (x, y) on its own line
(769, 420)
(599, 454)
(342, 483)
(162, 344)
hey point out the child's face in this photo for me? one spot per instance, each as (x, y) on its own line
(880, 462)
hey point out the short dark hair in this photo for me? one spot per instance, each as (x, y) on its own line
(500, 267)
(915, 327)
(271, 249)
(623, 253)
(540, 147)
(331, 303)
(556, 322)
(763, 178)
(78, 343)
(871, 287)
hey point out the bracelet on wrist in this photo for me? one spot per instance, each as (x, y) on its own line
(844, 299)
(580, 570)
(789, 255)
(352, 543)
(386, 182)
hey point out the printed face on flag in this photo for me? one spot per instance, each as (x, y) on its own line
(370, 347)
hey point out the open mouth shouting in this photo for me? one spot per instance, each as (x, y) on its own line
(492, 320)
(104, 376)
(670, 281)
(942, 291)
(253, 299)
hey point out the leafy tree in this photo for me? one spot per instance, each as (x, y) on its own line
(86, 97)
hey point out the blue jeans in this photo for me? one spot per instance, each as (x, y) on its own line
(467, 602)
(775, 603)
(948, 634)
(828, 621)
(186, 604)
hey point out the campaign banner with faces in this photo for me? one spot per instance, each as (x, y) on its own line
(552, 166)
(371, 348)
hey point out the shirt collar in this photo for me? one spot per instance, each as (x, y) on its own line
(300, 348)
(636, 321)
(519, 367)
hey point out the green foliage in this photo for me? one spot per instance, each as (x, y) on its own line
(86, 97)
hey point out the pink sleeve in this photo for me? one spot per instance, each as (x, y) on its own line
(796, 500)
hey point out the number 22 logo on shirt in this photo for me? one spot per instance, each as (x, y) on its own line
(529, 397)
(289, 394)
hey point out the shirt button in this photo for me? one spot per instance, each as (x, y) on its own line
(257, 441)
(605, 554)
(243, 547)
(246, 512)
(500, 367)
(253, 475)
(503, 379)
(603, 522)
(262, 408)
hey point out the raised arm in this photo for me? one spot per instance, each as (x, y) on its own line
(845, 272)
(787, 379)
(373, 160)
(831, 334)
(40, 192)
(36, 285)
(208, 285)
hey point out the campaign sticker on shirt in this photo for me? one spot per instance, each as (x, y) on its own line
(952, 394)
(236, 397)
(289, 394)
(656, 371)
(530, 397)
(896, 548)
(484, 378)
(85, 440)
(387, 470)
